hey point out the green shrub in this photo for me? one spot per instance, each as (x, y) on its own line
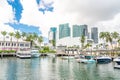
(7, 51)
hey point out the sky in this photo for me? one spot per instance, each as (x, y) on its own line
(39, 15)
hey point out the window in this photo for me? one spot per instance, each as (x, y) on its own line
(14, 44)
(8, 44)
(2, 44)
(26, 45)
(21, 44)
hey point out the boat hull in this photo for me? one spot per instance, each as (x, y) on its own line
(86, 61)
(23, 56)
(35, 55)
(104, 61)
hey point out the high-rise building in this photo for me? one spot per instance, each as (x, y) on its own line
(94, 34)
(84, 30)
(64, 30)
(79, 30)
(52, 34)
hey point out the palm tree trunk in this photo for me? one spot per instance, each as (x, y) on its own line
(31, 44)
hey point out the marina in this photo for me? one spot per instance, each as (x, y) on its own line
(48, 68)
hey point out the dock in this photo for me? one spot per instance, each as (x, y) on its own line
(7, 55)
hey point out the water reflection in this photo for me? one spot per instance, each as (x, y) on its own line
(49, 68)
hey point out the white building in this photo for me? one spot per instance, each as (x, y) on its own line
(8, 45)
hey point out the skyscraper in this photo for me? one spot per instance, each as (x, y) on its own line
(79, 30)
(84, 30)
(94, 34)
(52, 34)
(64, 30)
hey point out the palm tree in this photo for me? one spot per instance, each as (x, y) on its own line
(24, 34)
(31, 37)
(17, 36)
(11, 35)
(4, 34)
(88, 45)
(109, 38)
(115, 36)
(53, 43)
(82, 40)
(40, 40)
(102, 35)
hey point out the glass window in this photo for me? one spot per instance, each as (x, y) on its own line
(26, 45)
(2, 44)
(8, 44)
(21, 45)
(14, 44)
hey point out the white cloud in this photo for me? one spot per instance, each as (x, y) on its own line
(6, 16)
(110, 25)
(88, 12)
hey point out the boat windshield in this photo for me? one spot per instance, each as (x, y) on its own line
(34, 52)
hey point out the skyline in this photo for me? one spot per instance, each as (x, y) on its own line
(40, 15)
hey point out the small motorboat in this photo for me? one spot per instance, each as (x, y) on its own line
(117, 62)
(35, 53)
(86, 59)
(103, 59)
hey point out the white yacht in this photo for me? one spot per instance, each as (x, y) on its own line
(35, 53)
(117, 62)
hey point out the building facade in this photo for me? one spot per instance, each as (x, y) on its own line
(8, 45)
(52, 35)
(70, 36)
(94, 34)
(79, 30)
(64, 30)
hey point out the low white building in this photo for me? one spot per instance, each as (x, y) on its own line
(8, 45)
(69, 42)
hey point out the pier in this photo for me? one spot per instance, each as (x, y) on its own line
(7, 55)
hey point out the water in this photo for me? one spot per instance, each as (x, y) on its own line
(46, 68)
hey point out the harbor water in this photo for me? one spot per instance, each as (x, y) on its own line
(48, 68)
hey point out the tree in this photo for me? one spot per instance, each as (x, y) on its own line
(88, 45)
(17, 36)
(11, 35)
(115, 36)
(118, 41)
(40, 40)
(4, 34)
(82, 40)
(31, 37)
(53, 43)
(102, 35)
(24, 34)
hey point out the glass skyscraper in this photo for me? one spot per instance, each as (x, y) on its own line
(64, 30)
(94, 34)
(79, 30)
(52, 34)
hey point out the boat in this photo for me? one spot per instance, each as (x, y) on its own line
(35, 53)
(67, 57)
(117, 62)
(86, 59)
(103, 59)
(23, 54)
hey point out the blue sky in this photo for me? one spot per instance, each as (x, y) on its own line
(25, 28)
(17, 8)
